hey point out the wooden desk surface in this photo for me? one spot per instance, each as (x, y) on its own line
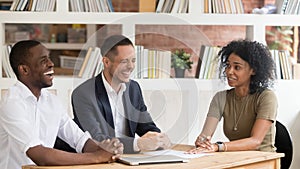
(239, 159)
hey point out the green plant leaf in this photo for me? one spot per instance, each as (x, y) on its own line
(181, 59)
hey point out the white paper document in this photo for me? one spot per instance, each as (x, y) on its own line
(181, 154)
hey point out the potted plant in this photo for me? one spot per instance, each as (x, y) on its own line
(180, 61)
(280, 38)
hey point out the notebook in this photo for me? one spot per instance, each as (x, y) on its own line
(157, 159)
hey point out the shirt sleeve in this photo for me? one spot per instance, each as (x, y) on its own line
(72, 134)
(135, 146)
(16, 119)
(267, 105)
(216, 107)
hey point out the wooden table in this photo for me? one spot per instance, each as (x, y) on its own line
(236, 160)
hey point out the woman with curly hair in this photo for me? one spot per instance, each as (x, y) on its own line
(249, 108)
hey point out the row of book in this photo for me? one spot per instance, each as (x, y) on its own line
(172, 6)
(91, 6)
(153, 63)
(208, 64)
(163, 6)
(5, 5)
(283, 63)
(150, 63)
(7, 70)
(33, 5)
(288, 6)
(91, 65)
(223, 6)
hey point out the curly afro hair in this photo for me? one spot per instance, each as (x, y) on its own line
(257, 56)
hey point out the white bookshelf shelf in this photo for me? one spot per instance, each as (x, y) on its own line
(61, 46)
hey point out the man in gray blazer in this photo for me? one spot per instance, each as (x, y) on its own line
(111, 104)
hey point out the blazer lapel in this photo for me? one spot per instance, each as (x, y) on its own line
(103, 101)
(129, 112)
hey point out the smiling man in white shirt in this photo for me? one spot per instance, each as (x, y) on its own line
(31, 118)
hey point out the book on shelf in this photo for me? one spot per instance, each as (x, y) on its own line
(29, 6)
(202, 49)
(288, 6)
(102, 6)
(33, 5)
(91, 6)
(92, 63)
(204, 57)
(233, 6)
(281, 6)
(211, 70)
(207, 6)
(5, 62)
(167, 6)
(18, 5)
(23, 5)
(215, 7)
(239, 6)
(152, 63)
(288, 64)
(160, 6)
(110, 6)
(275, 57)
(283, 64)
(137, 72)
(5, 5)
(172, 6)
(183, 7)
(223, 6)
(175, 7)
(147, 5)
(144, 64)
(209, 63)
(85, 61)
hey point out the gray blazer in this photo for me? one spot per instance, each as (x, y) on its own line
(92, 111)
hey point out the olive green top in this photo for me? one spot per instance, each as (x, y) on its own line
(240, 114)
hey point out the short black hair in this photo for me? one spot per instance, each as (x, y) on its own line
(110, 44)
(20, 52)
(258, 56)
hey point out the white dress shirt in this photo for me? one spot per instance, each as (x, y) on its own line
(26, 121)
(117, 107)
(118, 112)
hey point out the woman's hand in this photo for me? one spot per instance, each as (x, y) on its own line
(203, 144)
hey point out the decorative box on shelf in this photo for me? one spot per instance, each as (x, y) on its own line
(70, 62)
(76, 35)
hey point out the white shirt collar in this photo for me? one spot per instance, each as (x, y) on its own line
(26, 92)
(108, 87)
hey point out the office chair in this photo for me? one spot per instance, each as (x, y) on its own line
(283, 143)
